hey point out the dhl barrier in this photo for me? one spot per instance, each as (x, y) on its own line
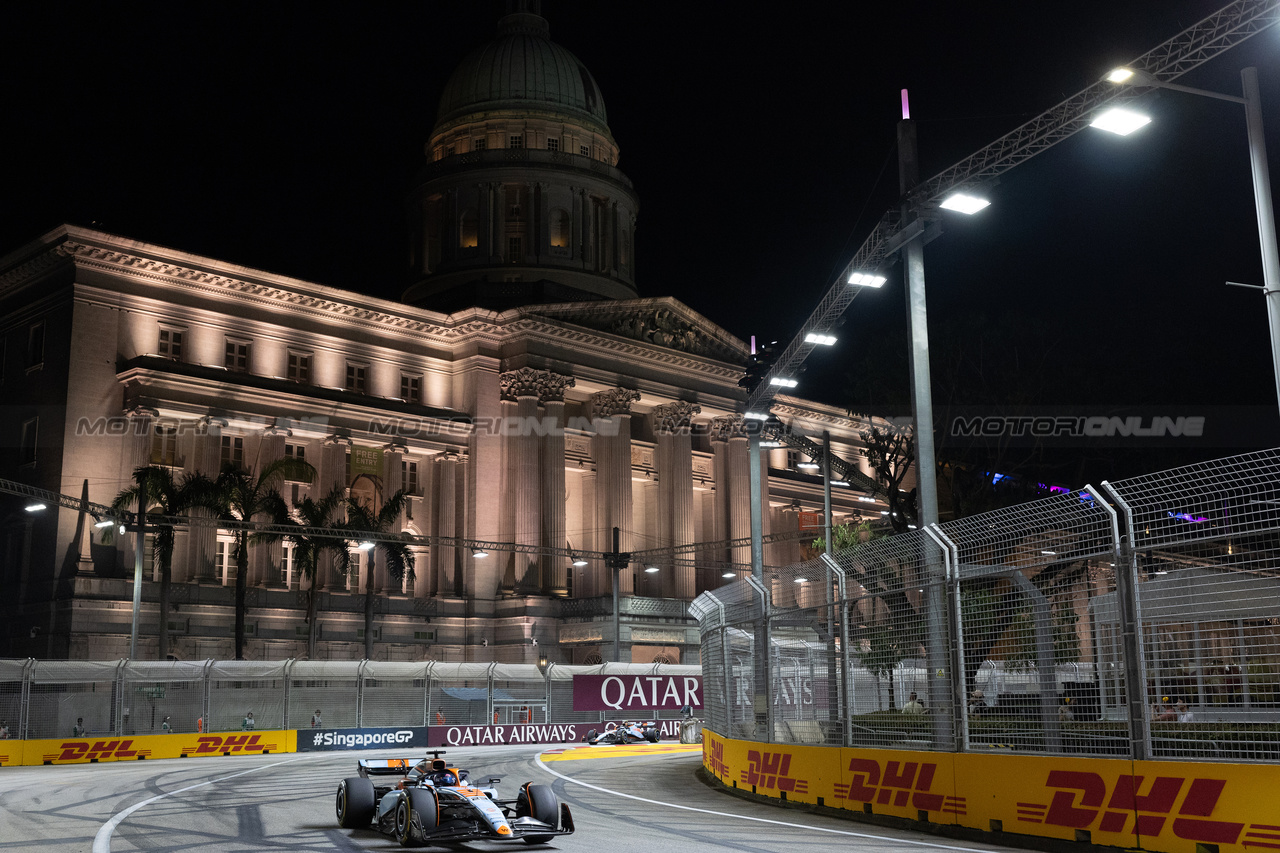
(91, 750)
(1162, 806)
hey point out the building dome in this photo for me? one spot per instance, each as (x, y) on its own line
(521, 69)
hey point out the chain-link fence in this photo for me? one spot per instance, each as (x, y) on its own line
(1137, 619)
(48, 699)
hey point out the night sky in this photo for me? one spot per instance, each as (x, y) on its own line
(760, 140)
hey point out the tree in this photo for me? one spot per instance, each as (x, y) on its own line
(393, 545)
(891, 452)
(308, 548)
(165, 496)
(239, 495)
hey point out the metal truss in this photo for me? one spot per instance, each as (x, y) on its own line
(1191, 48)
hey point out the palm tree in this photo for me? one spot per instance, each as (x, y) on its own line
(362, 519)
(307, 548)
(239, 496)
(165, 496)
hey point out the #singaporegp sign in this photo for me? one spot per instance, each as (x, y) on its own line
(636, 692)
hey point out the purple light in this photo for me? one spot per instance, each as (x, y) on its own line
(1186, 516)
(906, 109)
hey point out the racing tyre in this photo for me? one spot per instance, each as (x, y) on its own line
(416, 815)
(651, 735)
(355, 803)
(540, 803)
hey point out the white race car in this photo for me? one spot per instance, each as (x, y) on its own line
(426, 802)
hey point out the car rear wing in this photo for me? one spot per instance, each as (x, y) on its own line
(385, 766)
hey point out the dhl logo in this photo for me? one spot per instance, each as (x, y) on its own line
(771, 770)
(900, 783)
(100, 750)
(1078, 803)
(713, 757)
(223, 744)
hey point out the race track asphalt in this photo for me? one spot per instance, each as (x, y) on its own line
(623, 801)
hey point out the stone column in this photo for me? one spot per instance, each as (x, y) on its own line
(444, 557)
(332, 474)
(673, 425)
(203, 539)
(554, 569)
(425, 578)
(392, 480)
(720, 497)
(738, 497)
(610, 413)
(586, 580)
(523, 386)
(137, 454)
(265, 558)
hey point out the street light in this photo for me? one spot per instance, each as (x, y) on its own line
(1252, 102)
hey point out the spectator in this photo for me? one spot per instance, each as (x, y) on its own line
(1164, 714)
(4, 730)
(200, 724)
(977, 703)
(913, 705)
(440, 719)
(248, 723)
(316, 722)
(1064, 710)
(165, 727)
(78, 729)
(1184, 716)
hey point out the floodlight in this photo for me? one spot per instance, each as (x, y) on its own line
(808, 465)
(802, 580)
(782, 382)
(729, 575)
(1119, 75)
(867, 279)
(365, 546)
(479, 553)
(820, 338)
(1120, 121)
(579, 562)
(964, 203)
(36, 507)
(104, 523)
(650, 569)
(756, 416)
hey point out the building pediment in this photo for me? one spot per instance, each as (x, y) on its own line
(663, 322)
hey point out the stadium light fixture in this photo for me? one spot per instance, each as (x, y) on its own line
(1120, 121)
(479, 553)
(866, 279)
(964, 203)
(783, 382)
(820, 339)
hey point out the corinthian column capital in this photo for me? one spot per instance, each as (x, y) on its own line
(726, 427)
(671, 418)
(615, 401)
(528, 382)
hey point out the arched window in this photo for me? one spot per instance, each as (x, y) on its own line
(559, 222)
(469, 229)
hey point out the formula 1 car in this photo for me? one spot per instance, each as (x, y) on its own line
(428, 802)
(616, 735)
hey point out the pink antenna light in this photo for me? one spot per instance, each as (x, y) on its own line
(906, 108)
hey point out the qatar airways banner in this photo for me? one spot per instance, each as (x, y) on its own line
(500, 735)
(636, 692)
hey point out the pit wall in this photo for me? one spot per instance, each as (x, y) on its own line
(1170, 807)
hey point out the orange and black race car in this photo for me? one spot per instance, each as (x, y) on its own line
(428, 802)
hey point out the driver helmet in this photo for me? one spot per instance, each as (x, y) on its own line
(446, 777)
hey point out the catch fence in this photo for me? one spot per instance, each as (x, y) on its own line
(1136, 619)
(45, 699)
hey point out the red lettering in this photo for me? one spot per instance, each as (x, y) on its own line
(895, 779)
(102, 749)
(124, 752)
(71, 750)
(1201, 799)
(921, 800)
(1062, 811)
(209, 744)
(866, 775)
(234, 742)
(1164, 790)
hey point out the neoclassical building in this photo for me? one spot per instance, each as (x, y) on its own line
(522, 392)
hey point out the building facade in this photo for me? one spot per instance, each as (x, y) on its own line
(522, 393)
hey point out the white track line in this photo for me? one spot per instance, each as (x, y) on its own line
(102, 841)
(892, 839)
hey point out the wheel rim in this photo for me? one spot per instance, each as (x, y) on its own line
(342, 802)
(402, 820)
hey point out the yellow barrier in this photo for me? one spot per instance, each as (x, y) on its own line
(94, 749)
(1164, 806)
(10, 753)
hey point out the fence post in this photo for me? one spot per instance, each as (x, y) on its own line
(288, 669)
(24, 705)
(1046, 668)
(120, 698)
(959, 684)
(845, 682)
(763, 684)
(206, 695)
(360, 693)
(426, 692)
(488, 680)
(1130, 616)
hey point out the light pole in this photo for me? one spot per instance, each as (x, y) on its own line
(1261, 179)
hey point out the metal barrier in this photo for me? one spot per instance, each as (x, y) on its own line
(49, 699)
(1137, 619)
